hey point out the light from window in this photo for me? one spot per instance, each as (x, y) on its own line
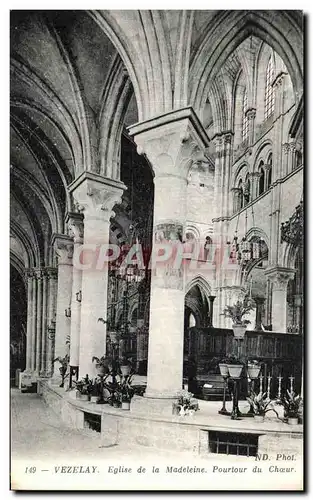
(244, 118)
(269, 91)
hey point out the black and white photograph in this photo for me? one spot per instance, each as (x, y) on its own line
(156, 326)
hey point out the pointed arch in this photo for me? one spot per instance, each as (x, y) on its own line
(227, 34)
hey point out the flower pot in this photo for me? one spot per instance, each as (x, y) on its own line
(125, 405)
(293, 420)
(125, 369)
(223, 369)
(259, 418)
(234, 370)
(253, 371)
(116, 404)
(239, 331)
(94, 399)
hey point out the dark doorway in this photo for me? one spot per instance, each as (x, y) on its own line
(18, 321)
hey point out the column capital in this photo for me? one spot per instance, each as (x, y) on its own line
(96, 195)
(286, 148)
(63, 247)
(251, 113)
(255, 175)
(279, 276)
(267, 166)
(172, 142)
(75, 226)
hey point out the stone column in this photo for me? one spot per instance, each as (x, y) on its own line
(259, 301)
(76, 231)
(29, 339)
(287, 163)
(292, 156)
(95, 197)
(39, 276)
(236, 193)
(279, 276)
(255, 182)
(44, 323)
(52, 274)
(172, 143)
(250, 114)
(63, 246)
(267, 168)
(34, 321)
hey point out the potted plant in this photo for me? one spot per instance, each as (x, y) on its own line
(125, 366)
(234, 366)
(236, 313)
(83, 388)
(95, 391)
(64, 362)
(254, 368)
(185, 405)
(125, 391)
(260, 404)
(291, 403)
(102, 365)
(223, 366)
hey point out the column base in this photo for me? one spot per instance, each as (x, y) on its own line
(149, 405)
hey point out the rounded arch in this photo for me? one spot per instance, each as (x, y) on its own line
(262, 152)
(229, 33)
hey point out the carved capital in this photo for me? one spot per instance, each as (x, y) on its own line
(267, 166)
(63, 247)
(75, 226)
(250, 113)
(172, 142)
(280, 276)
(292, 147)
(96, 196)
(286, 148)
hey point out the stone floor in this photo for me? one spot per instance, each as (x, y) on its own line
(39, 439)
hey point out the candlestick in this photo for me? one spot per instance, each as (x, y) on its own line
(261, 382)
(250, 294)
(291, 383)
(269, 378)
(279, 386)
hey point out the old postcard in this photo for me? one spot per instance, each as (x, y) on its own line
(156, 250)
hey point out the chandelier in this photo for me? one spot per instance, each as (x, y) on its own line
(292, 229)
(246, 251)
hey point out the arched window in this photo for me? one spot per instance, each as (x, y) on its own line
(269, 91)
(269, 175)
(240, 195)
(262, 178)
(244, 117)
(247, 190)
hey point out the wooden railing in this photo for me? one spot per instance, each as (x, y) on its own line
(279, 353)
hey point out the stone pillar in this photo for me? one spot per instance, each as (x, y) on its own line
(292, 156)
(287, 160)
(52, 274)
(34, 321)
(44, 324)
(172, 143)
(250, 114)
(259, 301)
(255, 180)
(76, 231)
(267, 168)
(39, 276)
(29, 339)
(236, 199)
(95, 197)
(63, 246)
(279, 276)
